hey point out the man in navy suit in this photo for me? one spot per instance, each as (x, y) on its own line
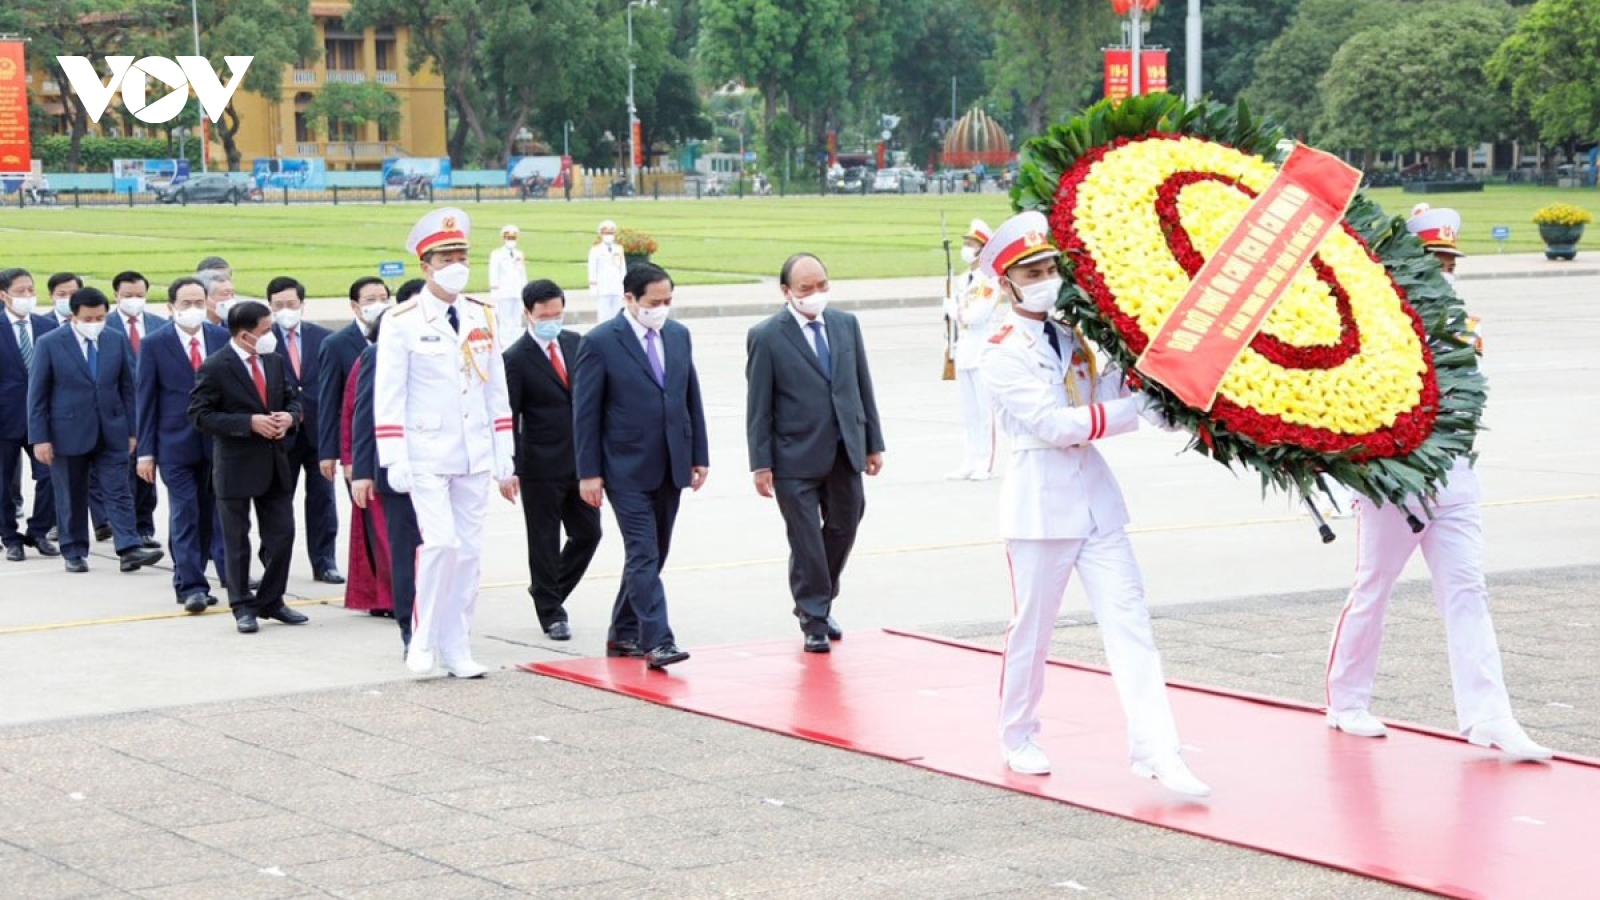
(169, 442)
(300, 344)
(369, 297)
(17, 342)
(132, 319)
(81, 419)
(640, 435)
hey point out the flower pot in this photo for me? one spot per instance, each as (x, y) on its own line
(1560, 241)
(633, 259)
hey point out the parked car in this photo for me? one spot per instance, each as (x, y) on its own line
(915, 181)
(887, 181)
(850, 181)
(213, 188)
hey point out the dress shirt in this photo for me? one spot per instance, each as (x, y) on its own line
(639, 332)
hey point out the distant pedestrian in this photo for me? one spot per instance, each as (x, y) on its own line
(607, 265)
(977, 309)
(508, 273)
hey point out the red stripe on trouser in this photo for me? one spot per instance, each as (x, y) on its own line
(1011, 572)
(1338, 629)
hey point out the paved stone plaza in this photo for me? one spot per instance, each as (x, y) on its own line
(147, 753)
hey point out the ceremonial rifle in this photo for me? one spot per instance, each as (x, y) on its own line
(949, 324)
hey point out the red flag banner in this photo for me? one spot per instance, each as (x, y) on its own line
(1119, 74)
(1153, 71)
(1237, 287)
(638, 151)
(16, 152)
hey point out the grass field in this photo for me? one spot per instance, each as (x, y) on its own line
(701, 242)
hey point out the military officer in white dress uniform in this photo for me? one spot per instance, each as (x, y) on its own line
(1061, 510)
(508, 273)
(443, 429)
(607, 265)
(977, 309)
(1452, 543)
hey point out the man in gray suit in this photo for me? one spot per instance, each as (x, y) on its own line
(813, 428)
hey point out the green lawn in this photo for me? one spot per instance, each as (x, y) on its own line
(702, 242)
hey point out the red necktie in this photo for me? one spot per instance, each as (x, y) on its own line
(561, 368)
(292, 336)
(260, 379)
(133, 334)
(194, 353)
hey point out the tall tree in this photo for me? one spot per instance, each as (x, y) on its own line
(1549, 64)
(1047, 59)
(278, 33)
(953, 42)
(354, 105)
(1288, 69)
(1233, 34)
(797, 53)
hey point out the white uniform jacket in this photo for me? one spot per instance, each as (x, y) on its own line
(977, 309)
(439, 401)
(606, 267)
(508, 272)
(1059, 487)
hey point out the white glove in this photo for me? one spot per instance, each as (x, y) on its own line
(399, 478)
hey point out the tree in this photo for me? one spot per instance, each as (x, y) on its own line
(354, 105)
(278, 33)
(1047, 59)
(1290, 66)
(1548, 62)
(954, 41)
(1419, 85)
(1233, 34)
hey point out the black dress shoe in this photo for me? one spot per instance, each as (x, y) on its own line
(195, 603)
(102, 533)
(46, 546)
(329, 576)
(77, 564)
(381, 613)
(560, 631)
(624, 648)
(835, 633)
(246, 622)
(287, 616)
(665, 655)
(818, 643)
(133, 559)
(211, 600)
(149, 542)
(16, 554)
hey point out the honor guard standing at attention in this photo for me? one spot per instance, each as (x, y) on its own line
(508, 273)
(1061, 510)
(443, 429)
(1452, 543)
(607, 264)
(976, 308)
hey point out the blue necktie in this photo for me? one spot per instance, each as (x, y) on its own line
(25, 344)
(1055, 342)
(455, 320)
(94, 361)
(824, 355)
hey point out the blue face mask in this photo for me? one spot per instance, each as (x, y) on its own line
(547, 329)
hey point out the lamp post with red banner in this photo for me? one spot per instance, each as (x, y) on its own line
(1135, 9)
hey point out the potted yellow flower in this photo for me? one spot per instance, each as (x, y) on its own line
(636, 245)
(1561, 225)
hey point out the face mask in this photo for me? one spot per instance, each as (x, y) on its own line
(1040, 297)
(511, 243)
(267, 343)
(969, 255)
(371, 312)
(90, 330)
(546, 329)
(652, 317)
(24, 306)
(287, 318)
(452, 279)
(130, 306)
(190, 318)
(222, 309)
(64, 308)
(812, 306)
(608, 239)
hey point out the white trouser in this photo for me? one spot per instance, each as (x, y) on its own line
(606, 307)
(1452, 544)
(1040, 571)
(450, 513)
(978, 418)
(508, 320)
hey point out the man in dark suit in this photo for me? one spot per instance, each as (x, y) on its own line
(81, 420)
(243, 399)
(812, 426)
(170, 358)
(369, 297)
(135, 323)
(540, 389)
(18, 340)
(300, 345)
(640, 435)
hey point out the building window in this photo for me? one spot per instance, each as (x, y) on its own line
(387, 59)
(341, 49)
(302, 126)
(386, 133)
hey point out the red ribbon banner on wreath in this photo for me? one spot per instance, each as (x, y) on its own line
(1230, 297)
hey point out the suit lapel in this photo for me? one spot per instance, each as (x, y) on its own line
(540, 360)
(241, 373)
(791, 330)
(631, 343)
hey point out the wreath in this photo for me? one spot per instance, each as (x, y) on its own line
(1360, 372)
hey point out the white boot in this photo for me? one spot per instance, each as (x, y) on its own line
(1511, 740)
(1358, 722)
(1028, 759)
(1173, 775)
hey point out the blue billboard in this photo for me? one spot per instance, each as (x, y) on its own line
(139, 175)
(398, 172)
(308, 174)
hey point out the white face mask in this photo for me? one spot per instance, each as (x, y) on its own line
(267, 343)
(130, 306)
(608, 239)
(222, 309)
(969, 255)
(24, 306)
(652, 317)
(287, 318)
(371, 312)
(812, 306)
(1040, 297)
(511, 243)
(90, 330)
(190, 318)
(452, 279)
(64, 308)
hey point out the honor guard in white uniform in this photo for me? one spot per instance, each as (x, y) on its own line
(443, 429)
(607, 265)
(508, 273)
(977, 309)
(1061, 509)
(1452, 544)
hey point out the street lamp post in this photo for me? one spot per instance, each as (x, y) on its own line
(633, 111)
(205, 139)
(566, 138)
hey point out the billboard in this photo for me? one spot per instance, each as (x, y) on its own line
(15, 150)
(536, 171)
(140, 175)
(309, 174)
(397, 172)
(1119, 72)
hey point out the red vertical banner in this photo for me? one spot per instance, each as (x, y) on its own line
(1119, 73)
(16, 152)
(638, 151)
(833, 148)
(1153, 74)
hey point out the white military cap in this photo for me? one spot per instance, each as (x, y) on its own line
(1024, 237)
(443, 229)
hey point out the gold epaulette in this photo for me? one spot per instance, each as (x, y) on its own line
(404, 308)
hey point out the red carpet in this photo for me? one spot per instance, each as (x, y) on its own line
(1419, 808)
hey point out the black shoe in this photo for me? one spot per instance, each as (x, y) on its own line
(195, 603)
(287, 616)
(381, 613)
(834, 632)
(211, 600)
(560, 631)
(133, 559)
(665, 655)
(149, 542)
(102, 533)
(329, 576)
(77, 564)
(245, 621)
(624, 648)
(46, 546)
(818, 643)
(15, 554)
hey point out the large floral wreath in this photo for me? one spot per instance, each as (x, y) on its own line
(1359, 372)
